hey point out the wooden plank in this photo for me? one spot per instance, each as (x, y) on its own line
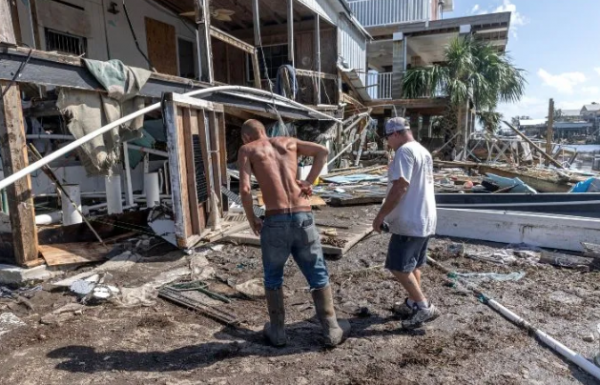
(317, 60)
(539, 184)
(549, 130)
(315, 74)
(176, 173)
(542, 230)
(73, 253)
(231, 40)
(256, 69)
(7, 24)
(314, 201)
(215, 151)
(195, 131)
(204, 50)
(222, 148)
(183, 169)
(161, 41)
(351, 236)
(190, 172)
(14, 158)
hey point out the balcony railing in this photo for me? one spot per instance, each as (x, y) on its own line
(374, 13)
(379, 86)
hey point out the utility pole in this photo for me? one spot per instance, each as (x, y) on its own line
(550, 130)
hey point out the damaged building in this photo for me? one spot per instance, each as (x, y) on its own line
(74, 74)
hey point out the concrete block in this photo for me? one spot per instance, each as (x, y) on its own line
(10, 274)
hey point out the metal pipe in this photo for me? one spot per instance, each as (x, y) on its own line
(71, 137)
(86, 138)
(113, 194)
(71, 214)
(152, 189)
(128, 186)
(48, 218)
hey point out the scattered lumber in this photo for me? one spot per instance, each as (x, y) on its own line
(73, 253)
(565, 260)
(522, 135)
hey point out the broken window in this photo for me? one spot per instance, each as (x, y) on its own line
(187, 65)
(273, 57)
(65, 43)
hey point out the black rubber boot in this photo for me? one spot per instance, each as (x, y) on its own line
(274, 331)
(335, 331)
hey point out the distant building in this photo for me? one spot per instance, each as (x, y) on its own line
(562, 129)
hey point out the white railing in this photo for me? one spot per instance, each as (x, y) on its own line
(374, 13)
(380, 86)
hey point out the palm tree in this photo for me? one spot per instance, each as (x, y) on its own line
(474, 72)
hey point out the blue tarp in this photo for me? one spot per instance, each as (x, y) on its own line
(588, 185)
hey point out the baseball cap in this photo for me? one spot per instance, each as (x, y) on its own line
(396, 125)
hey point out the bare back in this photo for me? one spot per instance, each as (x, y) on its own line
(274, 163)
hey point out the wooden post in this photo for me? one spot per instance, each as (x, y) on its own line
(290, 24)
(14, 158)
(7, 24)
(317, 65)
(205, 62)
(257, 43)
(550, 129)
(399, 64)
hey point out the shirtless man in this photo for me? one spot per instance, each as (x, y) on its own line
(288, 227)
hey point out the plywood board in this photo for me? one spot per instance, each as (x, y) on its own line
(314, 200)
(352, 236)
(161, 41)
(73, 253)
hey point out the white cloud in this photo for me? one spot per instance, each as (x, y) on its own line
(593, 90)
(517, 19)
(597, 69)
(564, 82)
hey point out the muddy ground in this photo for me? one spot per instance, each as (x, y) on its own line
(167, 344)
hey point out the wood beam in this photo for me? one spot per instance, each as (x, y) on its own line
(550, 130)
(205, 62)
(14, 158)
(411, 103)
(302, 26)
(290, 29)
(231, 40)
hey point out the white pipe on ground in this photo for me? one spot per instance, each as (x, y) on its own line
(552, 343)
(555, 345)
(152, 189)
(113, 194)
(86, 138)
(70, 214)
(48, 218)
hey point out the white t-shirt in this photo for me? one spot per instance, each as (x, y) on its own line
(415, 215)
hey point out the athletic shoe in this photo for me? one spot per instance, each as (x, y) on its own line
(403, 310)
(421, 316)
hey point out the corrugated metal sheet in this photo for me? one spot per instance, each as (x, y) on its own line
(372, 13)
(353, 47)
(322, 8)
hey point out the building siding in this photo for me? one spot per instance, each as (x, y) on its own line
(353, 47)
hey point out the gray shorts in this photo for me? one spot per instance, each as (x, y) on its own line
(405, 254)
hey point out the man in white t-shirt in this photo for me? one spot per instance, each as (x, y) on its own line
(409, 211)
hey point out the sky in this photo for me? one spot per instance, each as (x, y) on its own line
(557, 43)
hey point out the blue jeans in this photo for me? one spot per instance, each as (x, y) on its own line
(295, 234)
